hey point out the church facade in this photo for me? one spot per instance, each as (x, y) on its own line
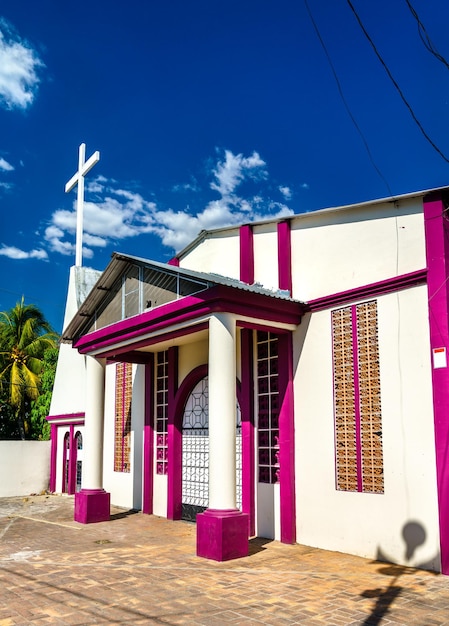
(285, 379)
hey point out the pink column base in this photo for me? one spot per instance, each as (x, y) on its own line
(92, 505)
(222, 535)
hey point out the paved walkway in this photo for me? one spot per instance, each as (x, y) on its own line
(139, 569)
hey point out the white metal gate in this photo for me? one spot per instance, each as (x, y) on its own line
(195, 453)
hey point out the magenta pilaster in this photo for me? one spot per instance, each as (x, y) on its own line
(248, 444)
(53, 456)
(437, 251)
(174, 435)
(284, 256)
(286, 440)
(246, 254)
(72, 461)
(148, 439)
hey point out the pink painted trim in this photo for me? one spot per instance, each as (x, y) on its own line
(355, 359)
(217, 299)
(148, 440)
(390, 285)
(72, 455)
(66, 418)
(174, 441)
(174, 261)
(248, 443)
(437, 251)
(65, 470)
(286, 440)
(53, 456)
(284, 256)
(246, 254)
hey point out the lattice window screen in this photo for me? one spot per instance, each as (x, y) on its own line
(370, 408)
(344, 398)
(123, 395)
(358, 418)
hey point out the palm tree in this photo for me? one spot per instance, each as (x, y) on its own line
(24, 336)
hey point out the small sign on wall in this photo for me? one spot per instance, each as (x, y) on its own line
(439, 358)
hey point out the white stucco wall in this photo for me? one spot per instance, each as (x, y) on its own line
(125, 487)
(266, 255)
(357, 247)
(367, 524)
(219, 253)
(24, 467)
(69, 388)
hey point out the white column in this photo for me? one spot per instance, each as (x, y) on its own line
(222, 411)
(92, 476)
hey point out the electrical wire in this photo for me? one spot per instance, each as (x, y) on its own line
(390, 76)
(425, 37)
(346, 105)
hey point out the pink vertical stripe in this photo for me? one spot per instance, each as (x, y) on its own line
(355, 357)
(248, 444)
(174, 436)
(72, 459)
(148, 439)
(437, 252)
(287, 440)
(53, 456)
(246, 254)
(284, 256)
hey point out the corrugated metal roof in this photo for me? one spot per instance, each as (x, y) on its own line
(121, 262)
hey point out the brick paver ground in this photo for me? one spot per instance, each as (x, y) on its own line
(139, 569)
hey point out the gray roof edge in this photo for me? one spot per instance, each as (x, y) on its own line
(306, 214)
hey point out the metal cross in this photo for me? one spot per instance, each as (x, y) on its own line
(78, 178)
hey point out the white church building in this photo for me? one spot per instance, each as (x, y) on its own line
(285, 379)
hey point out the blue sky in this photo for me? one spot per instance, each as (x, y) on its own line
(205, 114)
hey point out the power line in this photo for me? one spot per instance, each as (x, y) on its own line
(425, 37)
(412, 113)
(340, 91)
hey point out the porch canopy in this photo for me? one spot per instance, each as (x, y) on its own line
(137, 303)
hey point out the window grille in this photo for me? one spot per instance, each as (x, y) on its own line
(357, 402)
(123, 396)
(268, 407)
(79, 462)
(161, 412)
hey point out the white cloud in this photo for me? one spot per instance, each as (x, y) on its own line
(120, 213)
(232, 171)
(15, 253)
(19, 65)
(305, 186)
(5, 166)
(285, 191)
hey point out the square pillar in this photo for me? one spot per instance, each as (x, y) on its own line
(92, 505)
(222, 535)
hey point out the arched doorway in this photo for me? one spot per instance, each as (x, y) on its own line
(195, 453)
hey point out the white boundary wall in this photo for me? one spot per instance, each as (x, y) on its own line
(24, 467)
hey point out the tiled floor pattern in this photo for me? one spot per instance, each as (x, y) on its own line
(139, 569)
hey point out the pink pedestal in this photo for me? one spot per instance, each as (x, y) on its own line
(92, 505)
(222, 535)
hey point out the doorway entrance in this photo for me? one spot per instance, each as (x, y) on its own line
(195, 453)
